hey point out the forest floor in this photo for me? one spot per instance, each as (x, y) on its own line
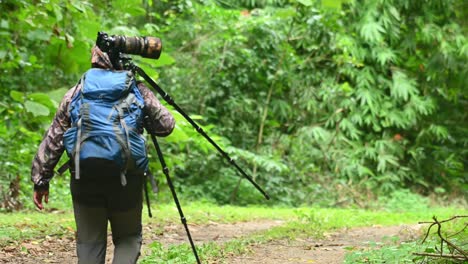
(330, 249)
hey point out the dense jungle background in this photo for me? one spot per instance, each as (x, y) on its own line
(326, 103)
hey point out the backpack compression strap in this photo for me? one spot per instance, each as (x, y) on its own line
(78, 136)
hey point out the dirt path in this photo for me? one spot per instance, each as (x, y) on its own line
(62, 250)
(329, 250)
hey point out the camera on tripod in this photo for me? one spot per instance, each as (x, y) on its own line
(118, 47)
(147, 47)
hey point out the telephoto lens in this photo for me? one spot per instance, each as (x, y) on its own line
(147, 47)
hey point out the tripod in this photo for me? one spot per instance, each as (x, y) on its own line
(135, 69)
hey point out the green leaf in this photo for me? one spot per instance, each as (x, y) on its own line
(38, 34)
(394, 13)
(440, 132)
(364, 171)
(164, 60)
(57, 95)
(384, 56)
(124, 30)
(305, 2)
(178, 135)
(335, 4)
(372, 31)
(349, 128)
(346, 87)
(430, 250)
(58, 12)
(41, 98)
(36, 109)
(366, 96)
(464, 50)
(89, 28)
(319, 134)
(402, 87)
(4, 24)
(129, 7)
(385, 159)
(17, 96)
(79, 5)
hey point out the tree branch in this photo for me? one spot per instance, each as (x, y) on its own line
(456, 257)
(463, 255)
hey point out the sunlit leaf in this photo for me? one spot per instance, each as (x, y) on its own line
(305, 2)
(58, 12)
(57, 95)
(17, 96)
(38, 34)
(372, 31)
(335, 4)
(36, 109)
(403, 87)
(164, 60)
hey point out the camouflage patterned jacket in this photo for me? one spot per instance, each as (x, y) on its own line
(51, 148)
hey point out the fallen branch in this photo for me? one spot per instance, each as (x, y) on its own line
(457, 253)
(455, 257)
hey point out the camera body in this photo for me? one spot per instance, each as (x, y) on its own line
(147, 47)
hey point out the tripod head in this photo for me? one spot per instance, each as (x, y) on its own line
(122, 61)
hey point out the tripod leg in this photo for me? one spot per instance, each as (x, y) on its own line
(174, 195)
(145, 185)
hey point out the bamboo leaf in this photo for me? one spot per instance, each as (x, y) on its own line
(394, 13)
(371, 31)
(384, 56)
(319, 134)
(402, 87)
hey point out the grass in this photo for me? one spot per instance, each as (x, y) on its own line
(17, 227)
(299, 222)
(201, 213)
(455, 231)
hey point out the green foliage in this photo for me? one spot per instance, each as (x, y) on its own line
(322, 102)
(173, 254)
(404, 200)
(23, 114)
(401, 253)
(358, 118)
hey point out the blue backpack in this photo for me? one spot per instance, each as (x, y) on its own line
(107, 121)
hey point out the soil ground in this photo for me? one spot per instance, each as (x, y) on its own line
(331, 249)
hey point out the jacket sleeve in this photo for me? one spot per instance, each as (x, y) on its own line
(161, 120)
(51, 148)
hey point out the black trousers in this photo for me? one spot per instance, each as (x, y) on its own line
(98, 198)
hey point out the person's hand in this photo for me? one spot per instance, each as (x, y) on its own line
(37, 197)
